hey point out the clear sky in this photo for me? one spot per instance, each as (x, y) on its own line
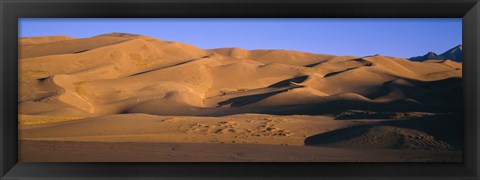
(351, 36)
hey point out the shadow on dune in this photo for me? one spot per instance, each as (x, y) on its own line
(435, 97)
(357, 114)
(245, 100)
(339, 72)
(442, 95)
(337, 135)
(447, 128)
(173, 65)
(363, 61)
(82, 51)
(315, 64)
(287, 82)
(335, 107)
(163, 67)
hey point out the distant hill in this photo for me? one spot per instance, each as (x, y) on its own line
(454, 54)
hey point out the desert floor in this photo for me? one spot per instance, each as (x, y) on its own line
(74, 151)
(237, 138)
(124, 97)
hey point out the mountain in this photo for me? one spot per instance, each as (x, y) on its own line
(454, 54)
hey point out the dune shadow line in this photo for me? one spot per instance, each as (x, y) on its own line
(244, 100)
(287, 82)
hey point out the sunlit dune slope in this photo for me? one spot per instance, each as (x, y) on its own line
(123, 73)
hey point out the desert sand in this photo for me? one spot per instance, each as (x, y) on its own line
(132, 98)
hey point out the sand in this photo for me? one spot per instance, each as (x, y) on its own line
(60, 151)
(139, 93)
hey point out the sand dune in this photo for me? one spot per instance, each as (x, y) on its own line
(42, 39)
(131, 88)
(182, 74)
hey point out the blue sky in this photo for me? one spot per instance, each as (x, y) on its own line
(347, 36)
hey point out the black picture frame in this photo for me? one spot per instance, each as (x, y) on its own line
(11, 10)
